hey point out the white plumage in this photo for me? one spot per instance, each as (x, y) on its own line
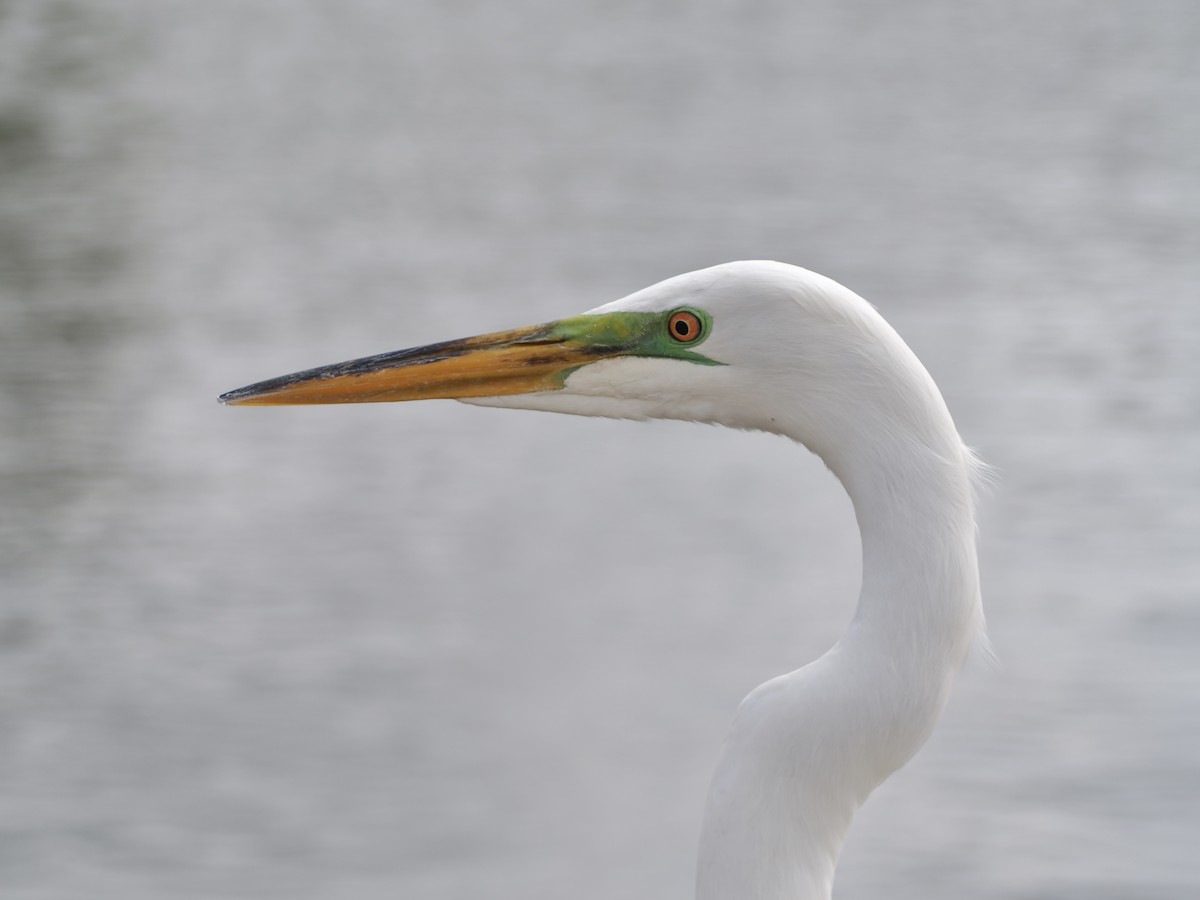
(787, 351)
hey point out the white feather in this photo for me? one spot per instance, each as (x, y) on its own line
(809, 359)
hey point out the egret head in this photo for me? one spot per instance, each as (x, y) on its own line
(756, 345)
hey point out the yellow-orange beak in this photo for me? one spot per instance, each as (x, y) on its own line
(521, 361)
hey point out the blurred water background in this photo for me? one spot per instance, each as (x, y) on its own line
(435, 651)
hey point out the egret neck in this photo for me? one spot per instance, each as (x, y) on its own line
(807, 748)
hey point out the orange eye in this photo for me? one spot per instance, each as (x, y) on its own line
(684, 326)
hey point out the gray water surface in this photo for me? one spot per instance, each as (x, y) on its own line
(434, 651)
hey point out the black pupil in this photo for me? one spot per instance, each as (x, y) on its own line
(681, 327)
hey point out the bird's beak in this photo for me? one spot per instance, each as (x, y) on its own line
(522, 361)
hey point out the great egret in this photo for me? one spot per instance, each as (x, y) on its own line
(772, 347)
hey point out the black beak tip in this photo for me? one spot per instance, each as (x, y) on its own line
(232, 398)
